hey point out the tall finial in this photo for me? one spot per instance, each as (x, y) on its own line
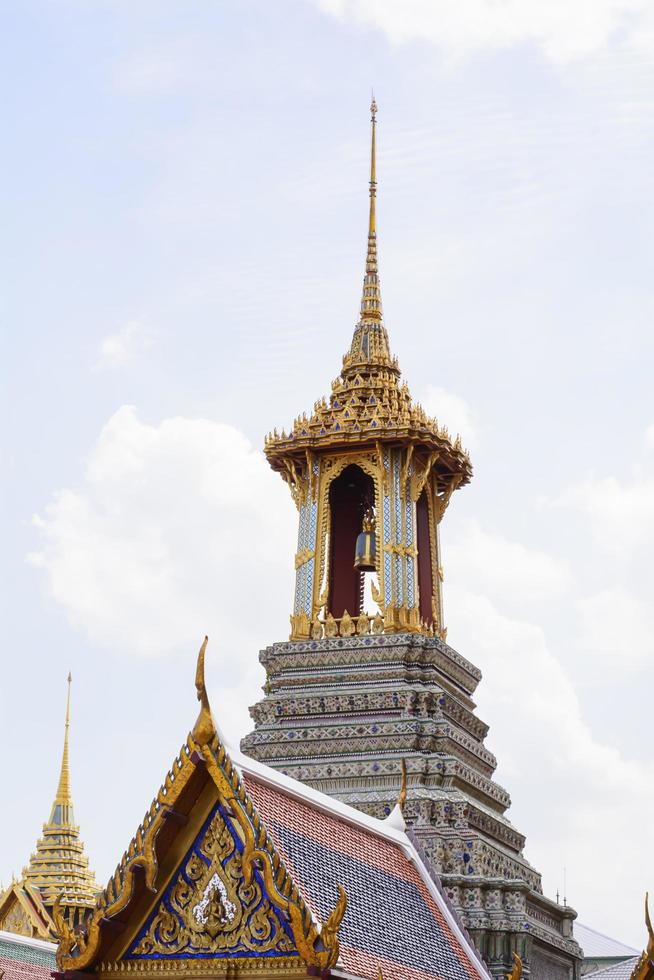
(371, 306)
(63, 796)
(369, 347)
(372, 229)
(204, 728)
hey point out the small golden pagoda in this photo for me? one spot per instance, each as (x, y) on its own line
(58, 869)
(371, 475)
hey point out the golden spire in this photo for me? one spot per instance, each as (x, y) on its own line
(372, 229)
(369, 348)
(205, 727)
(371, 308)
(63, 797)
(59, 867)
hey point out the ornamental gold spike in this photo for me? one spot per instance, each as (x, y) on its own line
(371, 308)
(516, 972)
(401, 800)
(63, 797)
(204, 728)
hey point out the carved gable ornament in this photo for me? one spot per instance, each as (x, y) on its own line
(209, 911)
(201, 890)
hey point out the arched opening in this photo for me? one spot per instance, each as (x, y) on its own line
(350, 495)
(425, 573)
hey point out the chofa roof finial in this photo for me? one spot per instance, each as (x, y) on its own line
(401, 800)
(204, 728)
(516, 972)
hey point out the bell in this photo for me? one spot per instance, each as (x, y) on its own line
(364, 550)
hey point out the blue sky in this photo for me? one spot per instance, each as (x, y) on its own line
(184, 213)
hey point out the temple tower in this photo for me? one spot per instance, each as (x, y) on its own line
(369, 464)
(366, 680)
(58, 869)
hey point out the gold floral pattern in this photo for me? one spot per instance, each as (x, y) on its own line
(210, 910)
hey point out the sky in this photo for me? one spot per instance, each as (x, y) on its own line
(184, 208)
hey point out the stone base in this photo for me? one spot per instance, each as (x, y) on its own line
(342, 713)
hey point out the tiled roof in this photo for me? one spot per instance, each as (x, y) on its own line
(619, 971)
(22, 958)
(396, 920)
(596, 944)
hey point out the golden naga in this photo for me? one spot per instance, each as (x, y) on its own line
(644, 968)
(401, 800)
(318, 946)
(205, 727)
(516, 972)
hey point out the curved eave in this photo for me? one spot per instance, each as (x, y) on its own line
(451, 460)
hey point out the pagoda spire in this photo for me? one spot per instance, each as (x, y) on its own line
(59, 867)
(63, 799)
(371, 307)
(370, 348)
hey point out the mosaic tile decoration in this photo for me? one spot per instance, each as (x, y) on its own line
(392, 919)
(20, 961)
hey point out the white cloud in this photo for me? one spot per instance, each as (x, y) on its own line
(571, 793)
(505, 571)
(562, 29)
(453, 411)
(177, 529)
(121, 347)
(621, 515)
(616, 629)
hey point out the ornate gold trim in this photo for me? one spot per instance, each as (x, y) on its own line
(644, 968)
(317, 945)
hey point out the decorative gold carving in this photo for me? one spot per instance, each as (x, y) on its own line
(205, 727)
(184, 969)
(401, 549)
(300, 626)
(362, 623)
(303, 556)
(16, 920)
(347, 626)
(435, 611)
(421, 475)
(210, 908)
(331, 626)
(442, 500)
(644, 968)
(404, 475)
(378, 624)
(401, 800)
(516, 972)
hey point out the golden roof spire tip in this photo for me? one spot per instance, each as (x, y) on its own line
(372, 228)
(204, 728)
(63, 797)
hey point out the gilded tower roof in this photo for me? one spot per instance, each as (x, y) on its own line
(59, 866)
(368, 402)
